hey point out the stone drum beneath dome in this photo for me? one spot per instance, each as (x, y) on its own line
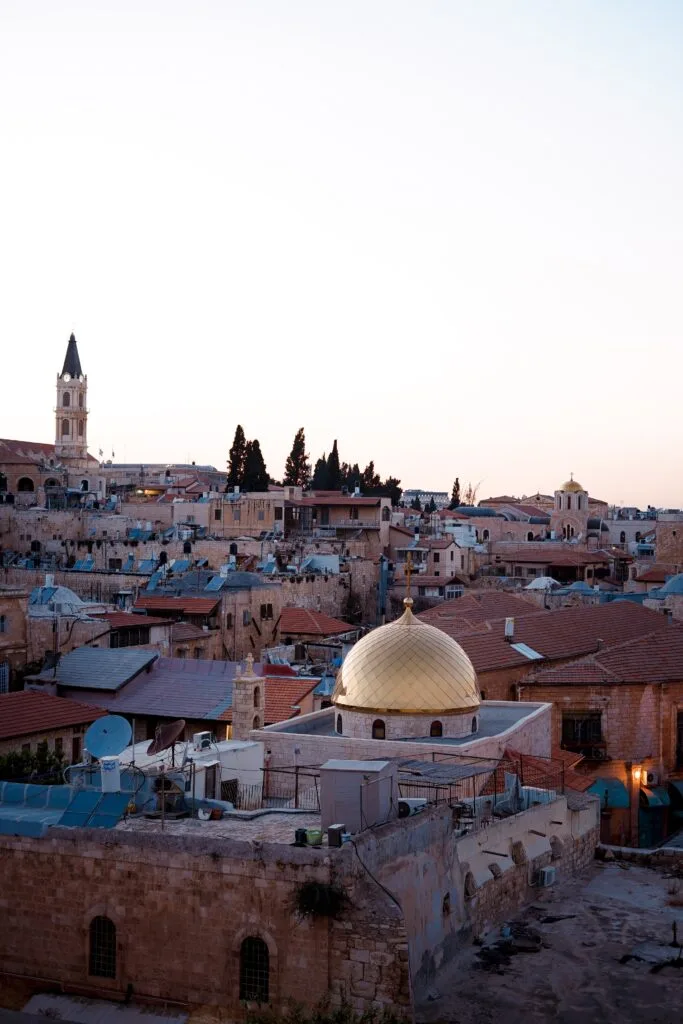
(406, 680)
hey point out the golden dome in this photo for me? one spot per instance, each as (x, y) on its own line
(571, 485)
(407, 667)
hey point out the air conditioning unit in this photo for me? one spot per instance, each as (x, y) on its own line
(202, 740)
(546, 877)
(411, 805)
(652, 778)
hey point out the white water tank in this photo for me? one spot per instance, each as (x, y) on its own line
(110, 768)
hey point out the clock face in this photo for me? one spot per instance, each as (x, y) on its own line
(67, 377)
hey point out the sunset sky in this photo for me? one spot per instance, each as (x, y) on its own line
(446, 233)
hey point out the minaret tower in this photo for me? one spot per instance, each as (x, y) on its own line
(71, 430)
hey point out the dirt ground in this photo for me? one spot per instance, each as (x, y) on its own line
(569, 970)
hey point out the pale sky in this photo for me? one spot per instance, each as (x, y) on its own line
(446, 233)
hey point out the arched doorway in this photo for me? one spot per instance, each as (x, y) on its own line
(25, 484)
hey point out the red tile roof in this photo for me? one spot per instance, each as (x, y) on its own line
(654, 575)
(562, 633)
(29, 713)
(464, 614)
(181, 631)
(126, 620)
(303, 621)
(655, 658)
(182, 605)
(282, 698)
(26, 452)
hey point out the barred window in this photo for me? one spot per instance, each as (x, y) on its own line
(254, 970)
(102, 948)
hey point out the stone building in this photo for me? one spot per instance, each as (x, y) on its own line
(29, 720)
(13, 632)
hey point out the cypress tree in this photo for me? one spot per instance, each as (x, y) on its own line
(297, 468)
(255, 473)
(320, 475)
(236, 459)
(334, 475)
(455, 494)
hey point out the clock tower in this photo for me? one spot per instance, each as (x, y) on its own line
(71, 429)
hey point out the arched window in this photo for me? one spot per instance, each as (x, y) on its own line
(187, 548)
(379, 731)
(256, 724)
(530, 535)
(569, 502)
(254, 970)
(85, 485)
(485, 535)
(339, 724)
(65, 428)
(80, 428)
(66, 399)
(622, 537)
(80, 400)
(483, 694)
(102, 948)
(257, 696)
(52, 482)
(25, 484)
(578, 502)
(475, 724)
(386, 514)
(436, 729)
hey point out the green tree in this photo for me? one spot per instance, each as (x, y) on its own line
(255, 473)
(391, 487)
(236, 459)
(334, 476)
(297, 467)
(320, 475)
(455, 494)
(416, 504)
(431, 505)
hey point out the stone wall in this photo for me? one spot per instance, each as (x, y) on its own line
(530, 736)
(182, 907)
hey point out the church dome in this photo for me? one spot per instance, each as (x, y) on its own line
(571, 485)
(407, 667)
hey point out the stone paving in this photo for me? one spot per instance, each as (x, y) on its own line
(274, 827)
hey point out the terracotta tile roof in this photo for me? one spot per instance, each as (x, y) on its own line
(303, 621)
(24, 452)
(464, 614)
(127, 620)
(654, 575)
(28, 713)
(182, 631)
(283, 697)
(562, 633)
(182, 605)
(528, 510)
(403, 529)
(559, 559)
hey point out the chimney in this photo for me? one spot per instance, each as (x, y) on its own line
(509, 630)
(599, 644)
(49, 579)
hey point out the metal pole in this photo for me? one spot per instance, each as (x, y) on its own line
(163, 798)
(296, 787)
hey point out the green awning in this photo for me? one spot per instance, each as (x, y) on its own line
(655, 797)
(677, 786)
(612, 792)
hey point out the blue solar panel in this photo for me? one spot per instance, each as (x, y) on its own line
(147, 565)
(214, 584)
(79, 564)
(109, 810)
(181, 565)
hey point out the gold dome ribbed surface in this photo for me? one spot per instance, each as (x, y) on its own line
(407, 667)
(571, 485)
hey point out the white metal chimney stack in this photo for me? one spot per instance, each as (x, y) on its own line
(509, 630)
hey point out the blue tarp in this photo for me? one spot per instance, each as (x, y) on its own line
(612, 792)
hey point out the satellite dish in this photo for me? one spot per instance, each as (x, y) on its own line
(166, 737)
(107, 736)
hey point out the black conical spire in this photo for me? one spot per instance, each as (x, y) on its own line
(72, 363)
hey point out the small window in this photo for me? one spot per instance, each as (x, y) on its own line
(80, 400)
(65, 428)
(102, 948)
(228, 620)
(236, 515)
(569, 502)
(246, 617)
(483, 695)
(3, 623)
(260, 515)
(278, 513)
(530, 535)
(452, 556)
(485, 535)
(437, 556)
(216, 513)
(256, 724)
(475, 724)
(378, 729)
(257, 696)
(436, 729)
(66, 400)
(622, 537)
(80, 428)
(339, 724)
(462, 561)
(254, 971)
